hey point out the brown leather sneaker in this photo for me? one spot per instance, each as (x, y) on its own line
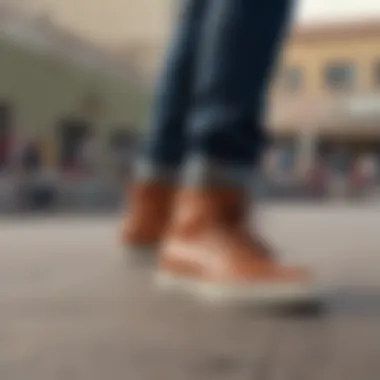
(208, 251)
(148, 215)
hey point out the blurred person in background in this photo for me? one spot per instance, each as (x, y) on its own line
(369, 168)
(317, 178)
(7, 142)
(6, 136)
(37, 181)
(5, 148)
(31, 158)
(122, 145)
(88, 155)
(364, 174)
(193, 180)
(339, 167)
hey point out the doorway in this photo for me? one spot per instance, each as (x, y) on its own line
(72, 135)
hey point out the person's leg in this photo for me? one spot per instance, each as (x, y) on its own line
(150, 197)
(208, 247)
(240, 44)
(164, 145)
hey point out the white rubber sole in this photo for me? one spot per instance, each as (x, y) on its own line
(257, 294)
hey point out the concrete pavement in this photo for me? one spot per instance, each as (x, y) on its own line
(72, 307)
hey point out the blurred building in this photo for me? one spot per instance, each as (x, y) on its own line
(59, 87)
(137, 28)
(56, 57)
(326, 96)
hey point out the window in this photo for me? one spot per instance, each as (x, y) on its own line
(340, 76)
(292, 79)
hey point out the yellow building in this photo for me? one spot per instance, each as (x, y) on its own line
(328, 85)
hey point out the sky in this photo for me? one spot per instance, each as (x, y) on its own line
(337, 10)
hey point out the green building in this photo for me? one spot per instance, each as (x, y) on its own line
(47, 77)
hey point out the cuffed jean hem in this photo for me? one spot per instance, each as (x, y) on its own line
(204, 172)
(146, 170)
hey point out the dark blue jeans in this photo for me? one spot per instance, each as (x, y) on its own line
(212, 94)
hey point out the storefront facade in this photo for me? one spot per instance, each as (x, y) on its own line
(326, 95)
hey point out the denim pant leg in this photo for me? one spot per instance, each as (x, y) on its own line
(239, 45)
(164, 146)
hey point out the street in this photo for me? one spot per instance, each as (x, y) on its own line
(72, 306)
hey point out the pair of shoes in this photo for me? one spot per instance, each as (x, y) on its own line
(203, 246)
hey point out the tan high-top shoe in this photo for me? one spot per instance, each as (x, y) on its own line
(147, 216)
(208, 251)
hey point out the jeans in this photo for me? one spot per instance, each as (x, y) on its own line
(212, 94)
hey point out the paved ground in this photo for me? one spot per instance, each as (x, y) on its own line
(71, 307)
